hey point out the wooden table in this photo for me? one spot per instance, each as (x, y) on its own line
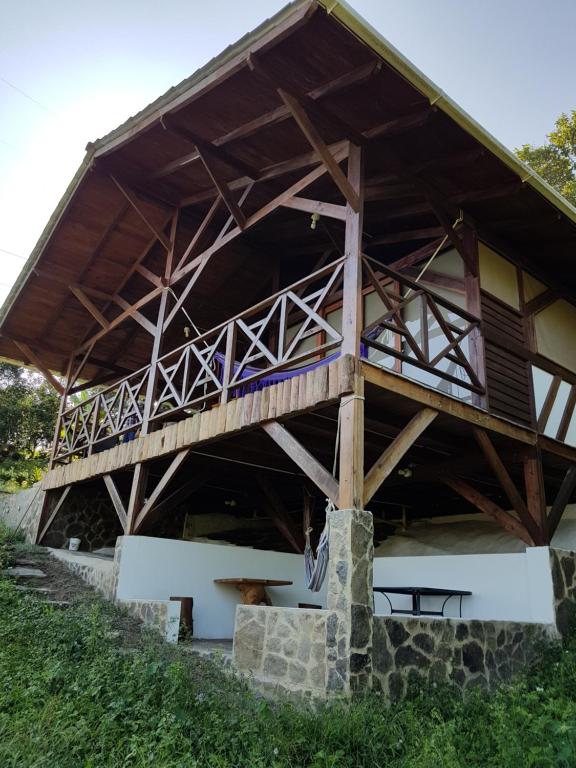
(253, 591)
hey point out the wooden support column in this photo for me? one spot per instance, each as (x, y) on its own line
(137, 493)
(116, 500)
(536, 493)
(352, 406)
(44, 525)
(61, 408)
(474, 305)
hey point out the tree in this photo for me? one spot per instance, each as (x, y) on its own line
(556, 160)
(28, 409)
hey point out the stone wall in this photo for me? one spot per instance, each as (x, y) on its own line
(88, 514)
(22, 510)
(162, 616)
(462, 652)
(98, 572)
(563, 565)
(283, 650)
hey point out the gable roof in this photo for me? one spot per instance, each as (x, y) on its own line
(86, 214)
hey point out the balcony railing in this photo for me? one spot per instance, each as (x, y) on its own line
(282, 332)
(283, 335)
(420, 329)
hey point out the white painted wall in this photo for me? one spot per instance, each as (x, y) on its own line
(155, 569)
(510, 587)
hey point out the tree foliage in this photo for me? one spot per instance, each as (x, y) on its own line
(28, 409)
(555, 161)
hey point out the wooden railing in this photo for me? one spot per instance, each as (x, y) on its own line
(437, 342)
(268, 338)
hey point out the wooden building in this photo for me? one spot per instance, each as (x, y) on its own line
(305, 274)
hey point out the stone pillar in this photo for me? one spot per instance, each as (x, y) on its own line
(349, 602)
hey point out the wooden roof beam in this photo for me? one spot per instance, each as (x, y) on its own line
(133, 201)
(222, 187)
(89, 305)
(317, 143)
(204, 147)
(35, 360)
(273, 117)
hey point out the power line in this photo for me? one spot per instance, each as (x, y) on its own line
(26, 95)
(11, 253)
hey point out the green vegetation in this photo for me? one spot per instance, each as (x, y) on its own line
(73, 695)
(28, 410)
(555, 161)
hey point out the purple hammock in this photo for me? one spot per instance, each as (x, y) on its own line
(271, 378)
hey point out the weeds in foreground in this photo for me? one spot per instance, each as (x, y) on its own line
(72, 695)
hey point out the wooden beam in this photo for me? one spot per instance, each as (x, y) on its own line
(116, 500)
(393, 454)
(165, 480)
(33, 358)
(508, 485)
(536, 493)
(541, 301)
(150, 276)
(273, 117)
(405, 388)
(137, 494)
(481, 502)
(317, 143)
(310, 465)
(562, 499)
(222, 187)
(133, 201)
(204, 148)
(138, 316)
(90, 306)
(128, 313)
(280, 517)
(180, 494)
(316, 206)
(204, 224)
(48, 523)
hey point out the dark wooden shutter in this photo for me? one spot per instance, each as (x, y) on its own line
(507, 368)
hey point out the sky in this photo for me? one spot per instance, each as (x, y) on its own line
(72, 70)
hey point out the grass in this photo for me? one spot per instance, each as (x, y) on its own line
(72, 696)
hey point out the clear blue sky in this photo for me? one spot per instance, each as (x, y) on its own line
(71, 70)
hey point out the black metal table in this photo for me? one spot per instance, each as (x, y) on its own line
(417, 593)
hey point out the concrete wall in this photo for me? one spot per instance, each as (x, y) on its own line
(21, 510)
(507, 587)
(155, 569)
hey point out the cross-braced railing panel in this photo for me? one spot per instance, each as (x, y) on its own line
(421, 329)
(274, 337)
(114, 411)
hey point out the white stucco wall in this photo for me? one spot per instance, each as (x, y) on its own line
(155, 569)
(511, 587)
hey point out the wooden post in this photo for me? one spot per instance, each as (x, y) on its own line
(536, 493)
(351, 494)
(61, 409)
(474, 305)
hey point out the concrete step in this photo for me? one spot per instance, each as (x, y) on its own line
(24, 572)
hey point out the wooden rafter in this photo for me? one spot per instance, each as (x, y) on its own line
(541, 301)
(508, 485)
(35, 360)
(317, 206)
(562, 499)
(135, 204)
(486, 505)
(273, 117)
(222, 187)
(136, 315)
(165, 480)
(317, 143)
(89, 305)
(309, 464)
(394, 453)
(536, 493)
(207, 148)
(52, 516)
(116, 500)
(204, 224)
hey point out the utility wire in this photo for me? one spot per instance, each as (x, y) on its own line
(27, 96)
(11, 253)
